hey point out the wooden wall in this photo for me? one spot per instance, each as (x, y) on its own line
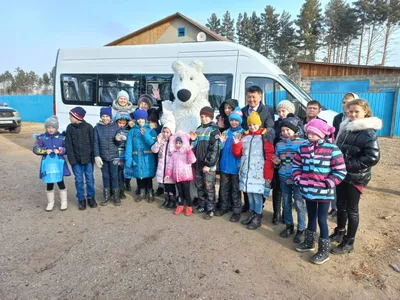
(314, 70)
(147, 37)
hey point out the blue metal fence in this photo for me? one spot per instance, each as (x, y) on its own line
(32, 108)
(382, 105)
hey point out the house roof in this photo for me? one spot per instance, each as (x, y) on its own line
(171, 17)
(347, 65)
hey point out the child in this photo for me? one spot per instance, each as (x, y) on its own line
(162, 147)
(358, 141)
(284, 108)
(122, 104)
(138, 155)
(180, 169)
(225, 109)
(337, 120)
(284, 152)
(122, 119)
(318, 168)
(106, 155)
(229, 167)
(207, 152)
(256, 171)
(53, 142)
(79, 144)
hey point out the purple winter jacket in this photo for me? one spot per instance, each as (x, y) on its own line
(51, 141)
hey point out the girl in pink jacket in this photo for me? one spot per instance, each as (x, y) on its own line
(180, 170)
(162, 147)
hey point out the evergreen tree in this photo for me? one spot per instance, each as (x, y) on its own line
(227, 28)
(239, 29)
(214, 23)
(376, 15)
(286, 45)
(254, 32)
(310, 29)
(361, 8)
(244, 30)
(270, 29)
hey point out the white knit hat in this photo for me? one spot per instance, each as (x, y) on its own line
(123, 93)
(286, 104)
(171, 126)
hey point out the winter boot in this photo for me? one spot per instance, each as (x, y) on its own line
(323, 252)
(116, 198)
(172, 202)
(64, 201)
(141, 196)
(346, 246)
(245, 207)
(160, 191)
(188, 211)
(208, 215)
(122, 195)
(166, 201)
(106, 196)
(50, 200)
(82, 204)
(179, 210)
(150, 196)
(235, 218)
(92, 202)
(308, 243)
(337, 235)
(127, 183)
(255, 222)
(249, 218)
(297, 237)
(288, 231)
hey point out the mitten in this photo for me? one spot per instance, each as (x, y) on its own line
(98, 161)
(118, 137)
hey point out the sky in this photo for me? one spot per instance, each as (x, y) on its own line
(32, 31)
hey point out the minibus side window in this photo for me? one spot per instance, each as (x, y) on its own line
(220, 88)
(110, 85)
(160, 82)
(274, 92)
(78, 88)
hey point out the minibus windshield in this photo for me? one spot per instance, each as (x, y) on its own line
(297, 88)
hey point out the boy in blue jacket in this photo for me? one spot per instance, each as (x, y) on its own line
(106, 155)
(229, 167)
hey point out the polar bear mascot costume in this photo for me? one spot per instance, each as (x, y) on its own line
(190, 88)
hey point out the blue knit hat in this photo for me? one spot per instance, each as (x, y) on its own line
(122, 115)
(140, 114)
(237, 115)
(78, 113)
(106, 111)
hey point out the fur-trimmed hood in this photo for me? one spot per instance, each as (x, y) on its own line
(127, 108)
(373, 123)
(185, 141)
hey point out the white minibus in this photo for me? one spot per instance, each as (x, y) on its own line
(92, 77)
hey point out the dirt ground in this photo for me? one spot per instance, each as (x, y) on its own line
(138, 251)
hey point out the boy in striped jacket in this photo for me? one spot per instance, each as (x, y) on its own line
(285, 151)
(318, 168)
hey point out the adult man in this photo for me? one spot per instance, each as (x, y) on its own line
(313, 109)
(254, 96)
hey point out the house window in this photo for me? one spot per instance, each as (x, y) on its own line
(181, 31)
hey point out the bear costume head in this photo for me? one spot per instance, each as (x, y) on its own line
(189, 83)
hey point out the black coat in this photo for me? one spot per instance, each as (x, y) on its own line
(359, 144)
(337, 120)
(79, 143)
(105, 144)
(232, 102)
(266, 115)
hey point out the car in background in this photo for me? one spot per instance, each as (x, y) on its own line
(10, 118)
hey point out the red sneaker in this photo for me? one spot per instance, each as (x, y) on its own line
(188, 211)
(178, 210)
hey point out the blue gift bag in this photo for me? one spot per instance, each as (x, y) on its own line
(52, 169)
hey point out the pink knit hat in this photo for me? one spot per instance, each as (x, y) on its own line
(320, 128)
